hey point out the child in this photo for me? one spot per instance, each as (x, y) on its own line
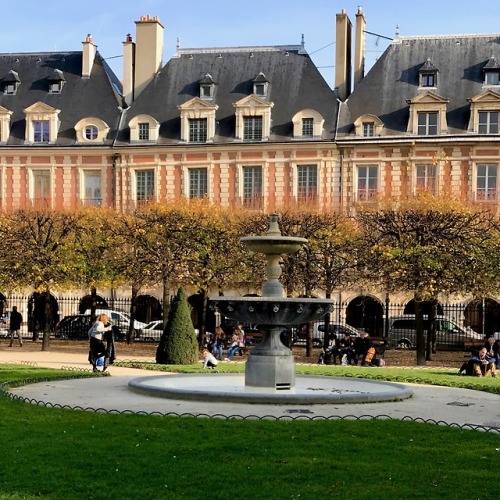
(209, 360)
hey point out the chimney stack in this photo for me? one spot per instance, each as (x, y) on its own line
(343, 65)
(128, 69)
(359, 56)
(148, 52)
(88, 55)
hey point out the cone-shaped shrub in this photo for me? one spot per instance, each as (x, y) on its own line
(178, 345)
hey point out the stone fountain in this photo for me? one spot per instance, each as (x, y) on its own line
(270, 368)
(270, 363)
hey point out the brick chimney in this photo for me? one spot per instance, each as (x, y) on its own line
(88, 55)
(128, 69)
(343, 65)
(148, 52)
(359, 55)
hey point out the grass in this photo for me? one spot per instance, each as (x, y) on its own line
(61, 454)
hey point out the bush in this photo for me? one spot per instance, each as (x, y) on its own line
(178, 343)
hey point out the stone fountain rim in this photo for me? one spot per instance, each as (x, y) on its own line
(275, 237)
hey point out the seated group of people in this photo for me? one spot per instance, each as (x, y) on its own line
(483, 363)
(212, 354)
(349, 351)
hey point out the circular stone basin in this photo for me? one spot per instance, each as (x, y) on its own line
(272, 310)
(270, 245)
(231, 388)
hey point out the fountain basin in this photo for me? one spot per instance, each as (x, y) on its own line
(272, 311)
(309, 389)
(272, 245)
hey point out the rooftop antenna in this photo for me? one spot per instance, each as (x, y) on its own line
(303, 43)
(178, 44)
(397, 29)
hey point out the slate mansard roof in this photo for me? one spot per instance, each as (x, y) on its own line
(97, 96)
(460, 61)
(295, 84)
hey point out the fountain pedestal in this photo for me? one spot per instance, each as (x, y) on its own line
(270, 363)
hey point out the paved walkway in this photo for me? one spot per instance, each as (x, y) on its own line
(429, 403)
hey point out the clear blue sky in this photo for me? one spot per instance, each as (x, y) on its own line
(36, 26)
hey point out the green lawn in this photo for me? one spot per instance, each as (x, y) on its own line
(58, 454)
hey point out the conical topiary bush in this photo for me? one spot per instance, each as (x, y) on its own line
(178, 345)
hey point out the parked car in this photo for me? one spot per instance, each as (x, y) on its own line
(121, 320)
(403, 332)
(300, 334)
(152, 331)
(78, 326)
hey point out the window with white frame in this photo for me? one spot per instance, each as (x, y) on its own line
(426, 178)
(307, 183)
(368, 129)
(252, 187)
(143, 131)
(427, 123)
(428, 79)
(486, 183)
(91, 132)
(144, 185)
(488, 122)
(252, 128)
(198, 130)
(307, 127)
(198, 182)
(92, 188)
(367, 182)
(41, 131)
(41, 189)
(10, 88)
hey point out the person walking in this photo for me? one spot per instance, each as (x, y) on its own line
(16, 320)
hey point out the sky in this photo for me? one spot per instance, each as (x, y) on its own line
(57, 25)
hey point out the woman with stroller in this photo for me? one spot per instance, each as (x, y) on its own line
(98, 331)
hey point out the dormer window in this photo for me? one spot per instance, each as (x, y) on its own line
(56, 82)
(368, 126)
(307, 124)
(261, 85)
(10, 83)
(492, 72)
(197, 120)
(253, 119)
(91, 129)
(144, 128)
(427, 114)
(207, 87)
(428, 74)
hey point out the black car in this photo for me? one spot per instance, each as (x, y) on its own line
(78, 326)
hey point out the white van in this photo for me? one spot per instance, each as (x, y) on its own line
(403, 332)
(120, 319)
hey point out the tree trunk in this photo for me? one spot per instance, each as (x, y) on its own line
(203, 322)
(47, 313)
(133, 307)
(419, 321)
(166, 299)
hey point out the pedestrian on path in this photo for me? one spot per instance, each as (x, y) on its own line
(16, 320)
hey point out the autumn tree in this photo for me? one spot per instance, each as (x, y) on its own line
(428, 246)
(40, 256)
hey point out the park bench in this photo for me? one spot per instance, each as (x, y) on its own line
(472, 345)
(380, 344)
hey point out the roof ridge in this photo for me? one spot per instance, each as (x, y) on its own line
(255, 48)
(400, 38)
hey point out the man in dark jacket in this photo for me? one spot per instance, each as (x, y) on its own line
(361, 345)
(16, 320)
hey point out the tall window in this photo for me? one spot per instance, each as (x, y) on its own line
(198, 182)
(198, 130)
(252, 187)
(145, 185)
(367, 182)
(92, 188)
(488, 122)
(41, 131)
(426, 178)
(143, 130)
(41, 188)
(368, 129)
(427, 123)
(252, 128)
(307, 183)
(307, 127)
(487, 177)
